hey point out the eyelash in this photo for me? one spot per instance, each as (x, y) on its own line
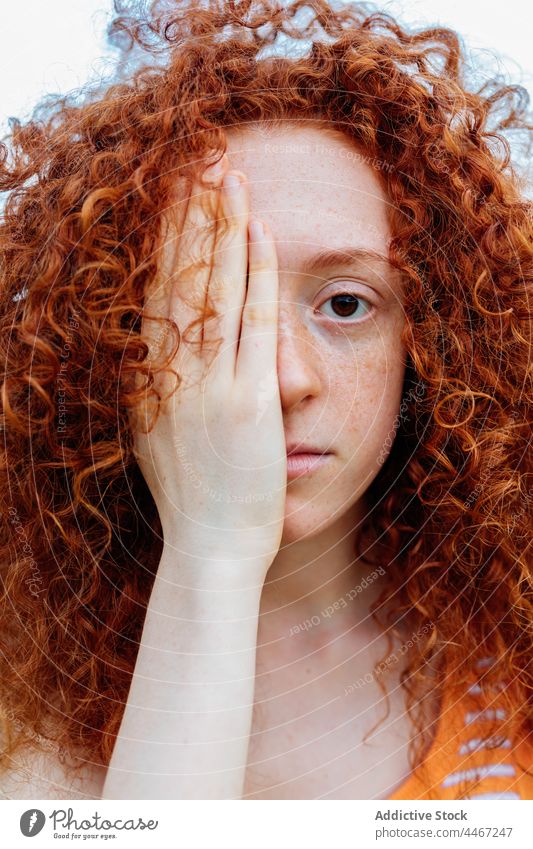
(357, 298)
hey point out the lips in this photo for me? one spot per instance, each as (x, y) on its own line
(301, 463)
(298, 448)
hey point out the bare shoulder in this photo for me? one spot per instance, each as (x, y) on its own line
(43, 775)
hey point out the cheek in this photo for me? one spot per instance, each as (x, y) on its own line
(366, 405)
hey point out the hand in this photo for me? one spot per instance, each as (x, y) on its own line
(215, 461)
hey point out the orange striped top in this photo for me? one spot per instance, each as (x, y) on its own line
(460, 762)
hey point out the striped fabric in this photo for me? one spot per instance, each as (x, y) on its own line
(460, 759)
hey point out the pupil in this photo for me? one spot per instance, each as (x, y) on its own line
(347, 303)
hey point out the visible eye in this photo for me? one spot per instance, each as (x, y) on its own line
(348, 305)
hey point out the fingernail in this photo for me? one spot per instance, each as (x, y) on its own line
(256, 230)
(215, 171)
(231, 183)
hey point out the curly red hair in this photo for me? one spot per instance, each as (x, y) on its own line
(88, 184)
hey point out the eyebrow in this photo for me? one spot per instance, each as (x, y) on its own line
(332, 258)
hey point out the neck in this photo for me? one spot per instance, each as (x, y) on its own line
(321, 576)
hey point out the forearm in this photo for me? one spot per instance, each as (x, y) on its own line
(186, 726)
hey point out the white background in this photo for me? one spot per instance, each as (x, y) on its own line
(56, 46)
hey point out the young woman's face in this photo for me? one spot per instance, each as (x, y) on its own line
(340, 361)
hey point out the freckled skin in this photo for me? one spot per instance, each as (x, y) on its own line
(340, 381)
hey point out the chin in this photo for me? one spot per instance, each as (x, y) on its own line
(301, 522)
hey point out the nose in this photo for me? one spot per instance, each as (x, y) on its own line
(298, 360)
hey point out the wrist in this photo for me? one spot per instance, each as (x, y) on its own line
(211, 567)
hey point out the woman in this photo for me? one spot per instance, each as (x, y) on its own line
(352, 626)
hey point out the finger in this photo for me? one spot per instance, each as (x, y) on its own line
(194, 256)
(157, 294)
(227, 283)
(257, 353)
